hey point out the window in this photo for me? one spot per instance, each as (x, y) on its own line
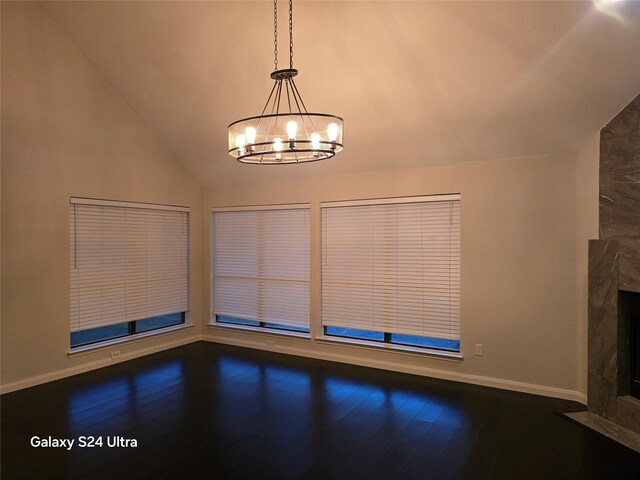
(391, 271)
(129, 269)
(260, 267)
(110, 332)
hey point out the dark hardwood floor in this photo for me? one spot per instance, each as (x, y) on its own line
(218, 412)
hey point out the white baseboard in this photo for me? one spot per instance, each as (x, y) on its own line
(68, 372)
(330, 356)
(403, 368)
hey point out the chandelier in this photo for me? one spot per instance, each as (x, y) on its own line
(285, 132)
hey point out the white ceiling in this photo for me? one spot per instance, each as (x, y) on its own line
(418, 83)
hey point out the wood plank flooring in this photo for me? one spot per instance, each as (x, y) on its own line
(206, 411)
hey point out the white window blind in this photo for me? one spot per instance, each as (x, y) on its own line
(127, 263)
(393, 267)
(260, 265)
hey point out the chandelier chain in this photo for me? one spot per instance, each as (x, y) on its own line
(290, 33)
(275, 34)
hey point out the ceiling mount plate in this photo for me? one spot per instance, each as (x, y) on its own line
(284, 74)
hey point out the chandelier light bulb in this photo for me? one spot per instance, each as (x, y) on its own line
(250, 133)
(277, 146)
(332, 132)
(315, 141)
(292, 129)
(240, 143)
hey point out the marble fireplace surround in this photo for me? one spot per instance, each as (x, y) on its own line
(614, 268)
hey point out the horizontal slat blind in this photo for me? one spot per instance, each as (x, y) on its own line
(126, 264)
(260, 265)
(393, 267)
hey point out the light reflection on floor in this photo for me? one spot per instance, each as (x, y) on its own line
(282, 394)
(149, 394)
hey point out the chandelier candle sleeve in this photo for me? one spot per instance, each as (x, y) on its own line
(285, 132)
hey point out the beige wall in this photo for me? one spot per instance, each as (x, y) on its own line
(66, 132)
(518, 267)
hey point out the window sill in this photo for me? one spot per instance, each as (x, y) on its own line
(269, 331)
(84, 349)
(404, 349)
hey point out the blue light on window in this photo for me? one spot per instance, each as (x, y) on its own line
(159, 322)
(395, 338)
(99, 334)
(355, 333)
(110, 332)
(254, 323)
(285, 327)
(237, 321)
(427, 342)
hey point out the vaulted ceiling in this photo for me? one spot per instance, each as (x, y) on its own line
(418, 83)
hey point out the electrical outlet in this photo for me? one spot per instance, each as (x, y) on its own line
(479, 349)
(115, 354)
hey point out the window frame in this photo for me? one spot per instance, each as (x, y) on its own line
(133, 335)
(262, 328)
(385, 344)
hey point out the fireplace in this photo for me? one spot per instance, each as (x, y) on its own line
(613, 385)
(633, 319)
(614, 331)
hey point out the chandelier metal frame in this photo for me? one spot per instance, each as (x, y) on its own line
(281, 136)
